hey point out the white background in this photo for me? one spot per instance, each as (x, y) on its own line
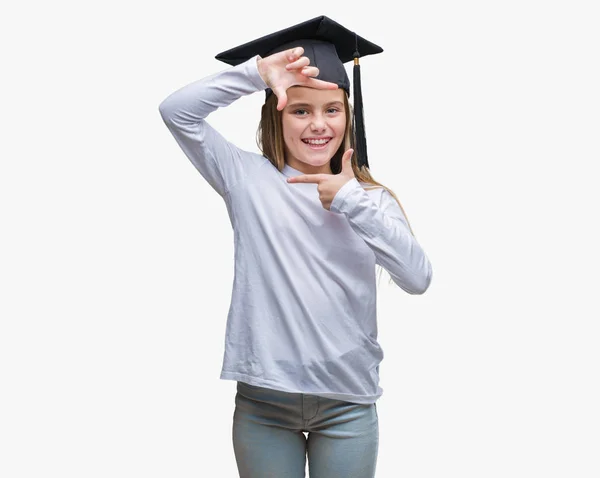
(117, 258)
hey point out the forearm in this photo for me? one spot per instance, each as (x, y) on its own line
(388, 236)
(191, 104)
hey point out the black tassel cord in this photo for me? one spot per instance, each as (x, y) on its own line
(359, 122)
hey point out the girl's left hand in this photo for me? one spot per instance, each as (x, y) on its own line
(329, 184)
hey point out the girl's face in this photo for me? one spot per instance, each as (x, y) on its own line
(313, 124)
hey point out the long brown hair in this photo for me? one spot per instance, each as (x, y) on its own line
(269, 138)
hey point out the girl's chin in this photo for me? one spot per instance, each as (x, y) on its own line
(318, 154)
(315, 160)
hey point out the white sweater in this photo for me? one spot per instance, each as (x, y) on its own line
(303, 309)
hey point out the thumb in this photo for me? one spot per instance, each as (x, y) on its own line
(347, 162)
(281, 98)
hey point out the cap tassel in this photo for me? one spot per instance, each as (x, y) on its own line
(359, 122)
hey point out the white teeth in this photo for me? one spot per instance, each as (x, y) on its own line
(316, 141)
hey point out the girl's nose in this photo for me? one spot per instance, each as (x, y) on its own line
(318, 123)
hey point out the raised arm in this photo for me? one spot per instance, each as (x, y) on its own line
(184, 112)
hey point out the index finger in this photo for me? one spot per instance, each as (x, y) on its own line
(321, 85)
(306, 178)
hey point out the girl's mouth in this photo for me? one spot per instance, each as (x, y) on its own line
(316, 143)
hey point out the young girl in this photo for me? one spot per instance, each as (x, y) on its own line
(310, 224)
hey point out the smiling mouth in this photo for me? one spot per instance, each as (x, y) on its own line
(316, 143)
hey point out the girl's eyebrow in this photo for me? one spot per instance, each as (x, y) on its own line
(296, 105)
(308, 105)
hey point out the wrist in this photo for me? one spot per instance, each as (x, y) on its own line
(260, 66)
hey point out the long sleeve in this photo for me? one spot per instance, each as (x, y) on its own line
(385, 230)
(184, 112)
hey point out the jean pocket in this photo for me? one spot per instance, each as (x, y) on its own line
(251, 391)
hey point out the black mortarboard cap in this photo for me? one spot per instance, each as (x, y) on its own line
(328, 45)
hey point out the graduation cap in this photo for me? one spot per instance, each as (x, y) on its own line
(328, 45)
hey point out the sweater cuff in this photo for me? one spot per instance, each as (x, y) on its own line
(344, 200)
(251, 68)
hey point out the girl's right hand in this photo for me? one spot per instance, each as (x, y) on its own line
(289, 68)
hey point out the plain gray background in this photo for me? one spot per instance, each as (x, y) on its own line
(117, 258)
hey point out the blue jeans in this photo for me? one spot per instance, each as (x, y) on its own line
(268, 438)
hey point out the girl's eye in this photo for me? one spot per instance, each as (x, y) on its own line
(332, 110)
(300, 112)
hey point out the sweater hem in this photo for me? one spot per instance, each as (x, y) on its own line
(258, 382)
